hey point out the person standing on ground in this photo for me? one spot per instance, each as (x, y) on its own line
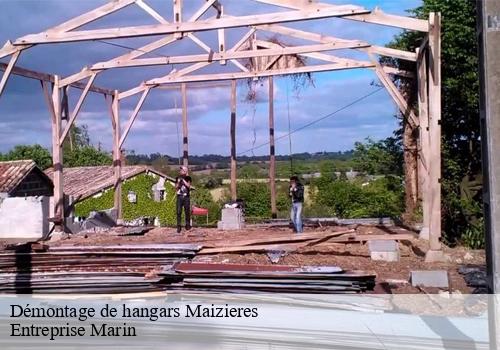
(182, 190)
(296, 192)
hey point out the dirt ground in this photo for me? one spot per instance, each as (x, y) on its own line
(392, 277)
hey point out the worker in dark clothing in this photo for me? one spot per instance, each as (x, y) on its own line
(296, 192)
(182, 189)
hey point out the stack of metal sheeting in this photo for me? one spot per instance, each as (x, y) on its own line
(88, 269)
(266, 278)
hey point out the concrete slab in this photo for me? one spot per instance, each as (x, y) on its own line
(436, 278)
(385, 256)
(436, 256)
(382, 246)
(24, 217)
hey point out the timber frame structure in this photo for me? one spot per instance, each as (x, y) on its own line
(427, 58)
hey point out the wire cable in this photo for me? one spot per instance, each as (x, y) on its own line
(314, 121)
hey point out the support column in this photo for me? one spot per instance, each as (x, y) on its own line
(489, 77)
(117, 162)
(185, 156)
(272, 158)
(435, 252)
(423, 164)
(57, 157)
(233, 140)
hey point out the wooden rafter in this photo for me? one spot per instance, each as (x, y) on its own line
(27, 73)
(77, 108)
(133, 117)
(205, 25)
(85, 73)
(73, 23)
(376, 16)
(8, 71)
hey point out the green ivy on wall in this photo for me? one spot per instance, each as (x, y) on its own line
(144, 206)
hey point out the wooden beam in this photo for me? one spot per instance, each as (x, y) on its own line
(272, 156)
(234, 195)
(376, 16)
(245, 75)
(117, 162)
(185, 146)
(142, 50)
(77, 108)
(435, 252)
(50, 78)
(133, 116)
(151, 11)
(395, 93)
(340, 43)
(423, 164)
(72, 24)
(216, 56)
(205, 25)
(188, 69)
(178, 16)
(8, 71)
(57, 156)
(221, 37)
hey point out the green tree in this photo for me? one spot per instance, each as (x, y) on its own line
(78, 151)
(460, 103)
(384, 157)
(39, 154)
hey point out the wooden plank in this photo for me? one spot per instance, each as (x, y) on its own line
(139, 51)
(178, 16)
(219, 56)
(221, 36)
(8, 71)
(272, 156)
(58, 203)
(188, 69)
(77, 108)
(233, 140)
(23, 72)
(339, 43)
(151, 11)
(91, 16)
(395, 93)
(423, 165)
(185, 146)
(376, 16)
(133, 116)
(245, 75)
(435, 130)
(346, 239)
(117, 163)
(205, 25)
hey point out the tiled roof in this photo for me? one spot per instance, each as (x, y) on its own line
(83, 182)
(13, 172)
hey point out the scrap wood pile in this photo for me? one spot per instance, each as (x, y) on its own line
(290, 242)
(266, 278)
(87, 269)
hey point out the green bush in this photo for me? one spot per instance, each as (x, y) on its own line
(145, 205)
(346, 199)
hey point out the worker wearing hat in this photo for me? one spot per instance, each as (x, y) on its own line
(182, 190)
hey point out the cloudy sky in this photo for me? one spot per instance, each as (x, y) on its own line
(24, 117)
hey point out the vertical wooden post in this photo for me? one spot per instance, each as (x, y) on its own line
(272, 160)
(435, 253)
(57, 161)
(117, 161)
(185, 156)
(178, 16)
(233, 140)
(424, 154)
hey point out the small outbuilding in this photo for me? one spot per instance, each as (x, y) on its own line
(25, 192)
